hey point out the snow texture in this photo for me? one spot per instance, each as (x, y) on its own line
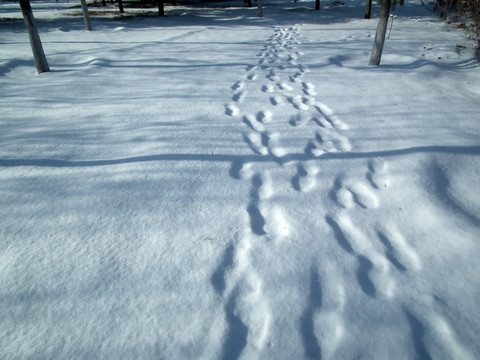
(214, 185)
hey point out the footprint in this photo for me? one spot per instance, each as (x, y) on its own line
(303, 69)
(378, 174)
(364, 196)
(241, 170)
(273, 77)
(445, 335)
(399, 252)
(247, 311)
(284, 86)
(266, 190)
(236, 337)
(331, 331)
(257, 220)
(363, 276)
(313, 150)
(300, 119)
(342, 143)
(253, 124)
(292, 57)
(276, 100)
(236, 168)
(238, 85)
(238, 97)
(322, 122)
(293, 79)
(273, 145)
(307, 322)
(309, 89)
(298, 102)
(347, 194)
(255, 141)
(417, 333)
(218, 277)
(268, 88)
(279, 224)
(328, 141)
(298, 75)
(344, 198)
(292, 62)
(264, 116)
(339, 235)
(390, 252)
(373, 272)
(329, 324)
(330, 116)
(232, 110)
(306, 178)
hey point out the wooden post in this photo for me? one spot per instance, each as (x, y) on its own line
(380, 33)
(161, 7)
(368, 9)
(35, 42)
(86, 17)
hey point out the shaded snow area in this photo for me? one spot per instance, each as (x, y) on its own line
(214, 185)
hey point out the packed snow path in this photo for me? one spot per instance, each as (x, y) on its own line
(214, 185)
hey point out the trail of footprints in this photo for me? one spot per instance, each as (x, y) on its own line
(374, 266)
(247, 310)
(279, 79)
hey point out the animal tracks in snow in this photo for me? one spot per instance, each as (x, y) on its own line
(379, 252)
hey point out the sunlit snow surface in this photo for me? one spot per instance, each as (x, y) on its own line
(216, 185)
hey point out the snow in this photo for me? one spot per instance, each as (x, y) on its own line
(216, 185)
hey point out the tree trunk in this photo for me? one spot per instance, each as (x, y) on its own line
(317, 4)
(161, 7)
(120, 6)
(260, 8)
(249, 2)
(368, 9)
(86, 18)
(104, 2)
(380, 33)
(37, 48)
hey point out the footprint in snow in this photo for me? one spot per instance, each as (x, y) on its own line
(306, 178)
(348, 194)
(239, 96)
(264, 116)
(232, 110)
(276, 100)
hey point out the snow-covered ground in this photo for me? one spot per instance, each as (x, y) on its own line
(216, 185)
